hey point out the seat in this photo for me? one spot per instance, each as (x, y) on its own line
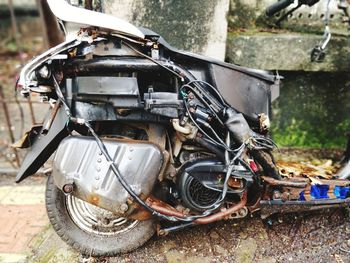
(66, 12)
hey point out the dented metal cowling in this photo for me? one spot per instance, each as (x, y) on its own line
(79, 162)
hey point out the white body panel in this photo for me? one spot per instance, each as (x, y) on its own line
(68, 13)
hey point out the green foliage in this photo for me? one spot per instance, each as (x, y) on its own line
(313, 111)
(11, 46)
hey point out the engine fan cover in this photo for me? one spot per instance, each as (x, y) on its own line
(193, 192)
(201, 182)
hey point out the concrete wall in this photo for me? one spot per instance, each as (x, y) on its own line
(256, 42)
(287, 51)
(314, 104)
(198, 25)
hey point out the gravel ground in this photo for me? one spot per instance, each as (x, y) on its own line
(317, 237)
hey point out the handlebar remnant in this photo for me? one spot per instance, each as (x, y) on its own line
(276, 7)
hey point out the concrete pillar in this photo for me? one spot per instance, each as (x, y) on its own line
(199, 26)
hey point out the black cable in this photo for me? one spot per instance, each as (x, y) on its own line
(260, 143)
(203, 100)
(104, 151)
(205, 134)
(263, 142)
(179, 76)
(61, 97)
(212, 87)
(154, 61)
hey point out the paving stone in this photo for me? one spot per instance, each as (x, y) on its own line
(12, 258)
(48, 247)
(19, 224)
(4, 191)
(22, 195)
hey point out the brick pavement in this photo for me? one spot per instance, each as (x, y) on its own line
(22, 217)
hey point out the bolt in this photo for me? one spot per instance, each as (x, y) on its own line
(97, 177)
(99, 160)
(68, 188)
(123, 208)
(131, 149)
(98, 169)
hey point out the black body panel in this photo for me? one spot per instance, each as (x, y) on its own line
(43, 146)
(249, 91)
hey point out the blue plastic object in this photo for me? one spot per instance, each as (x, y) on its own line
(319, 191)
(301, 196)
(341, 192)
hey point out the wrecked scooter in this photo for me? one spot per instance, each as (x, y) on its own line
(145, 134)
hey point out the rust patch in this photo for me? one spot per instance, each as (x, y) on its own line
(287, 183)
(93, 199)
(234, 183)
(140, 215)
(164, 208)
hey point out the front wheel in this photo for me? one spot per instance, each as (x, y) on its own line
(91, 230)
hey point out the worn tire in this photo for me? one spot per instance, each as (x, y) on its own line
(87, 243)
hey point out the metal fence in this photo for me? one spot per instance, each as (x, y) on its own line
(10, 158)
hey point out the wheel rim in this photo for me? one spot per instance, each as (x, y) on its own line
(93, 219)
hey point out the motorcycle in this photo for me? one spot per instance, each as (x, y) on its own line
(149, 139)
